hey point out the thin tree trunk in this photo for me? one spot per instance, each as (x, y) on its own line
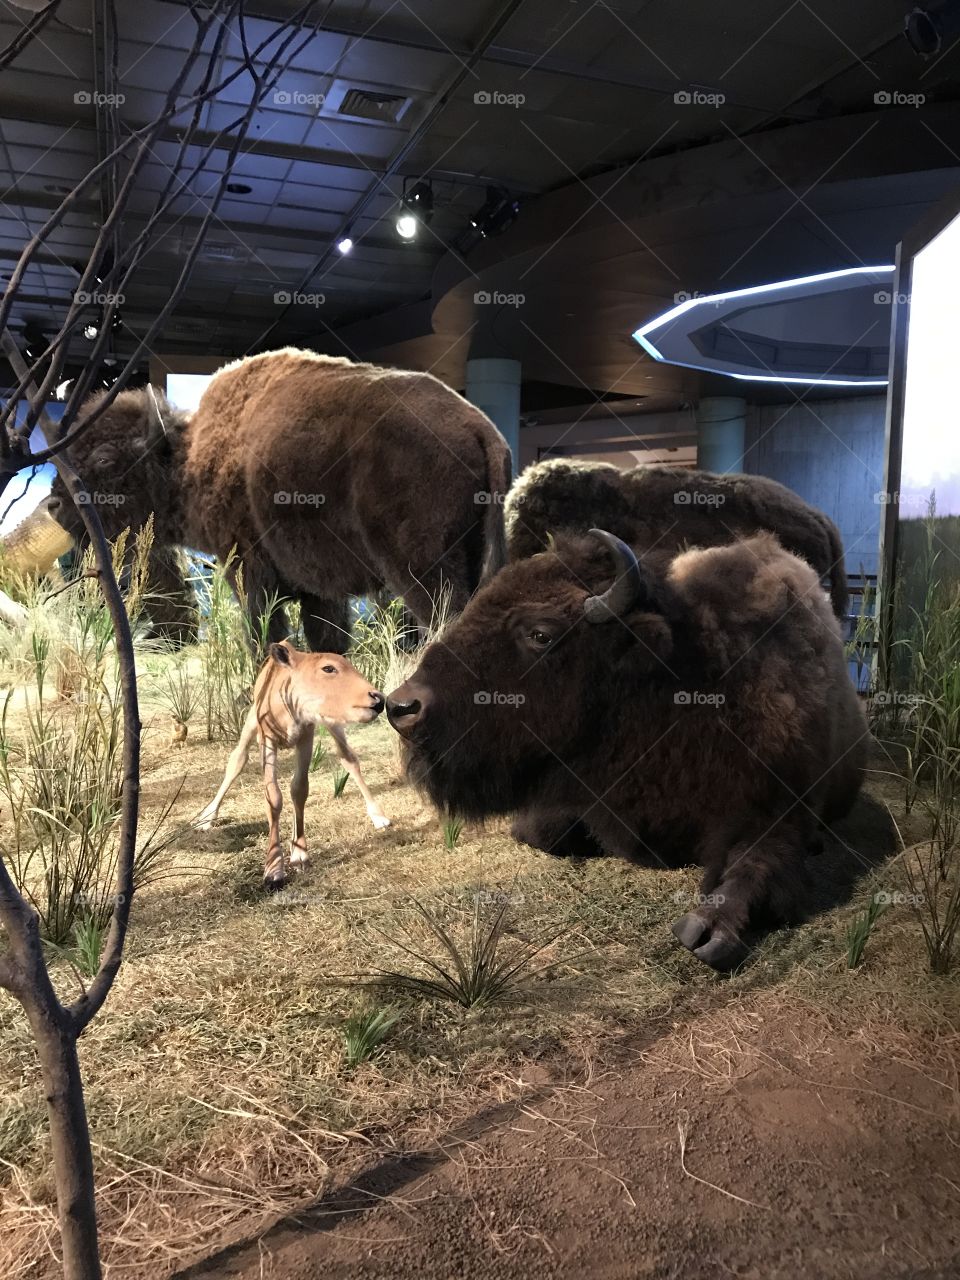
(69, 1146)
(55, 1029)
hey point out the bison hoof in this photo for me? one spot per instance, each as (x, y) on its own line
(379, 820)
(711, 941)
(298, 857)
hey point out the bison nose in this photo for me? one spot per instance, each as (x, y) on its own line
(376, 701)
(405, 708)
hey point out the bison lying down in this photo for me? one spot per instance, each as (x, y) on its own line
(667, 509)
(697, 709)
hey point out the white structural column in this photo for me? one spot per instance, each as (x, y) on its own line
(721, 429)
(493, 385)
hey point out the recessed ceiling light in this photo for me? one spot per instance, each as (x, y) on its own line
(345, 245)
(57, 188)
(239, 188)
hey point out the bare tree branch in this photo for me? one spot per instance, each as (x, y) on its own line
(28, 34)
(111, 266)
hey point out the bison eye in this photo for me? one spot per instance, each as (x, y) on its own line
(330, 669)
(540, 638)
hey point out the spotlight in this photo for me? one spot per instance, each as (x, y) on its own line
(345, 245)
(497, 212)
(35, 341)
(407, 226)
(63, 388)
(416, 206)
(90, 331)
(109, 372)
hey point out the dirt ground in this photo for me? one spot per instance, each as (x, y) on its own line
(759, 1143)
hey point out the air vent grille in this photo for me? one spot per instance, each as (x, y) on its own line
(365, 104)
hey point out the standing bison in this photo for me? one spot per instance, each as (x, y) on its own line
(696, 709)
(330, 478)
(667, 508)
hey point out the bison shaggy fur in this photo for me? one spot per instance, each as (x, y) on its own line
(330, 478)
(713, 722)
(669, 508)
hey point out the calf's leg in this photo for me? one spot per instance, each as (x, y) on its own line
(274, 876)
(762, 884)
(299, 790)
(235, 766)
(352, 766)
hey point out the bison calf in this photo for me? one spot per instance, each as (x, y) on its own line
(696, 709)
(294, 693)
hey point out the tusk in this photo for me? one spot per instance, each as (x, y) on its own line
(627, 587)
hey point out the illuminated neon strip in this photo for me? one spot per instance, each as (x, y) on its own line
(640, 335)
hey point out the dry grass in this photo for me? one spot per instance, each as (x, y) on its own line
(217, 1087)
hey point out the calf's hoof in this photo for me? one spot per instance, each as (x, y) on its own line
(274, 877)
(299, 858)
(379, 820)
(711, 940)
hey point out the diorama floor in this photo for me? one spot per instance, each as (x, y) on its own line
(762, 1142)
(626, 1112)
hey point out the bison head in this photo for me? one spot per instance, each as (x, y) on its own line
(125, 461)
(517, 703)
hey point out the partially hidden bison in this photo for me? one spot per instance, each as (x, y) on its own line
(667, 708)
(330, 478)
(667, 509)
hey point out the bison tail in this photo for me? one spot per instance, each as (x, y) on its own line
(839, 592)
(499, 476)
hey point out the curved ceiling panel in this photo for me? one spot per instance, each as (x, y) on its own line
(831, 329)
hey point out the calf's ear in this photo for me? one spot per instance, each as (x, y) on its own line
(280, 654)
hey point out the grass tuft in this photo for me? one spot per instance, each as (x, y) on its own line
(475, 971)
(365, 1032)
(89, 936)
(340, 780)
(860, 929)
(452, 831)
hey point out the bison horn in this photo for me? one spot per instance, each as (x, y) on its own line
(627, 587)
(154, 415)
